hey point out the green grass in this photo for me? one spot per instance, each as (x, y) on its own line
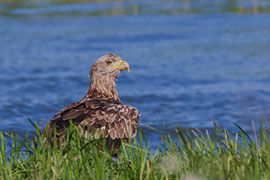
(195, 155)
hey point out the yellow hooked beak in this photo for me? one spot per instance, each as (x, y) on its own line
(121, 65)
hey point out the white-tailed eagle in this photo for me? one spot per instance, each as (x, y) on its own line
(100, 109)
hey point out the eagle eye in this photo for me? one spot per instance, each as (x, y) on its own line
(109, 62)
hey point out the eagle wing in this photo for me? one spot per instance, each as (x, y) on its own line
(117, 121)
(100, 117)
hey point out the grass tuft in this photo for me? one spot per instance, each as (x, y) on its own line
(196, 155)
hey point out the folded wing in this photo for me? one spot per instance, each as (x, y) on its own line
(98, 118)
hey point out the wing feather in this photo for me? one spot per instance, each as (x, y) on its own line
(119, 120)
(99, 115)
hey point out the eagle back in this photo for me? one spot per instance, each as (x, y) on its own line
(99, 117)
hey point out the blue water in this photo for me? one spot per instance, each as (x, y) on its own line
(192, 62)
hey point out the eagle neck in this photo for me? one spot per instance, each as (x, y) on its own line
(103, 87)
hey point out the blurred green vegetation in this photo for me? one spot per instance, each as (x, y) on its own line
(133, 7)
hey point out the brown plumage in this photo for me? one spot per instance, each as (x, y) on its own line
(100, 109)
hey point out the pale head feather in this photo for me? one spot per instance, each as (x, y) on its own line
(103, 77)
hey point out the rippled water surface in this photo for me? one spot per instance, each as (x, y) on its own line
(192, 62)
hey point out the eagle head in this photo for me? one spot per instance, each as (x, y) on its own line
(108, 65)
(103, 75)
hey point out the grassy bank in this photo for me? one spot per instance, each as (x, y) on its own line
(195, 155)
